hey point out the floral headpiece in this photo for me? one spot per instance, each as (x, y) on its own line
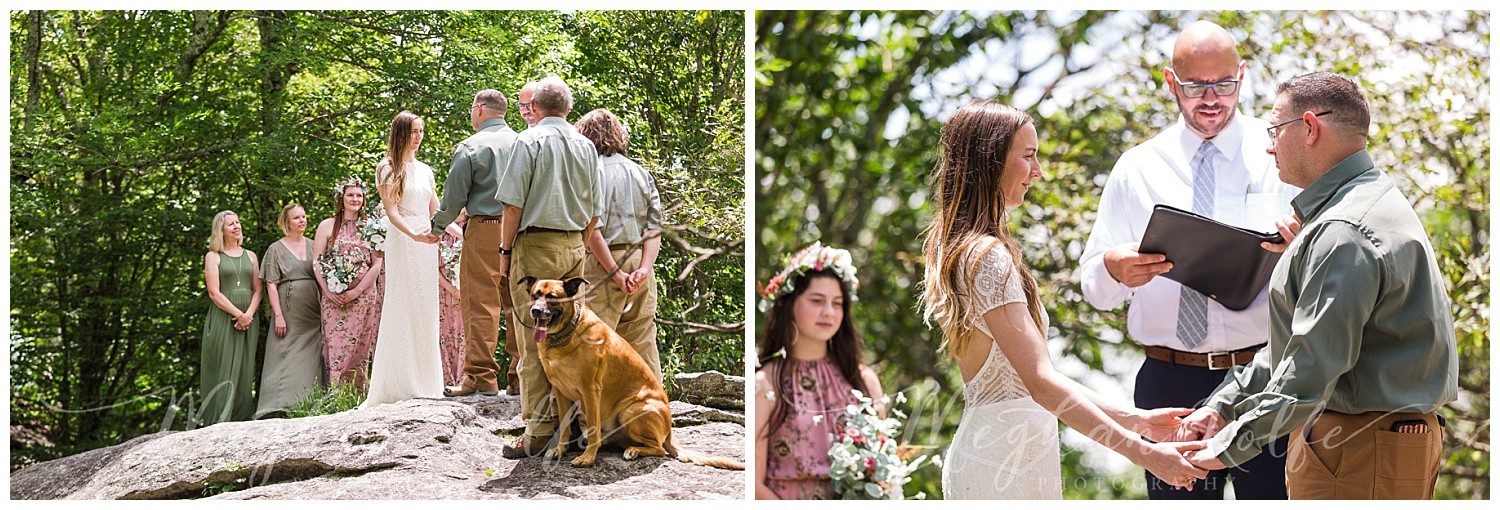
(338, 189)
(812, 258)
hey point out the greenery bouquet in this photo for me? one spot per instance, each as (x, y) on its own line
(865, 460)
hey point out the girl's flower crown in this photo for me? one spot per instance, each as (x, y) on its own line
(338, 189)
(812, 258)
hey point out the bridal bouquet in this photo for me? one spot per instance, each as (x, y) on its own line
(339, 270)
(865, 461)
(449, 254)
(375, 230)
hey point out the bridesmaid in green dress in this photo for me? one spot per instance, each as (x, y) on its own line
(294, 344)
(231, 330)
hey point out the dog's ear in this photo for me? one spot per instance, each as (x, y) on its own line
(572, 285)
(525, 282)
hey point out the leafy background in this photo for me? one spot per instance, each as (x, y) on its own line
(849, 108)
(130, 129)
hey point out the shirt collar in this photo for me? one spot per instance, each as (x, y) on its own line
(1228, 141)
(497, 121)
(1314, 199)
(552, 121)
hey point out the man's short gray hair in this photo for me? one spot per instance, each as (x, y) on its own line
(552, 96)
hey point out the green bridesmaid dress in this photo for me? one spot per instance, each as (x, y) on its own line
(227, 370)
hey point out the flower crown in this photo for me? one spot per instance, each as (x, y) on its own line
(812, 258)
(338, 189)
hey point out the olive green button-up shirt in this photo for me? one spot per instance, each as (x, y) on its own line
(555, 177)
(474, 174)
(1360, 318)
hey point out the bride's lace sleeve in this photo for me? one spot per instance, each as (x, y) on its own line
(995, 281)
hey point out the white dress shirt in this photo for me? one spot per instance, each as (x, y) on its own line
(1247, 193)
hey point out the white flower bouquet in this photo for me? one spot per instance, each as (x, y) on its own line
(339, 271)
(865, 460)
(375, 230)
(450, 255)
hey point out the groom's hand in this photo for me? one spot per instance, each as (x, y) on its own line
(1203, 460)
(1289, 227)
(1203, 422)
(1133, 268)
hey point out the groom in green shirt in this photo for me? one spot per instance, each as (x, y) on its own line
(1362, 349)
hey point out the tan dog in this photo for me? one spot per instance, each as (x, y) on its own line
(591, 365)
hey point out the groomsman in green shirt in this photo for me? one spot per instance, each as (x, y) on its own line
(1362, 349)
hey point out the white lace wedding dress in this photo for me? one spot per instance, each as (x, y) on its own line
(407, 362)
(1007, 445)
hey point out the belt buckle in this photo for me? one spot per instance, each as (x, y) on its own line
(1228, 358)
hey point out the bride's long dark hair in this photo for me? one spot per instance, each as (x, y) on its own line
(969, 206)
(395, 150)
(781, 331)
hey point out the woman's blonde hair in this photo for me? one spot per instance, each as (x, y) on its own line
(395, 147)
(216, 237)
(284, 220)
(969, 207)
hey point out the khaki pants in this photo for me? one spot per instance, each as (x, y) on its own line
(544, 256)
(633, 316)
(480, 300)
(1357, 456)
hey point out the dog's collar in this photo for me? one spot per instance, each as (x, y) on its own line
(572, 325)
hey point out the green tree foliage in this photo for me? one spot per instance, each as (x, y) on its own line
(130, 129)
(850, 105)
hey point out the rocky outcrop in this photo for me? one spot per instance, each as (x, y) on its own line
(416, 449)
(711, 389)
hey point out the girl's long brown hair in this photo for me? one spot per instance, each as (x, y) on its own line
(969, 207)
(395, 149)
(781, 331)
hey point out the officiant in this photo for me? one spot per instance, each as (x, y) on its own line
(1212, 162)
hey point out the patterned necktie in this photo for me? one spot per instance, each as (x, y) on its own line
(1192, 308)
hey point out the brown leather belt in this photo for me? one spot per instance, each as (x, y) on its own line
(540, 230)
(1209, 360)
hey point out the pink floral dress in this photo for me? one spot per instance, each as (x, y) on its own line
(349, 332)
(450, 326)
(797, 463)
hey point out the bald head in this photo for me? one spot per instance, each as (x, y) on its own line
(1204, 43)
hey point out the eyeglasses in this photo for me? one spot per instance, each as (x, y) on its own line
(476, 105)
(1195, 89)
(1274, 129)
(524, 106)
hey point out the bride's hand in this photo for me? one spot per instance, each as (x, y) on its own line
(1161, 425)
(1167, 462)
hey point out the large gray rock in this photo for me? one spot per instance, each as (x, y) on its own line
(416, 449)
(711, 389)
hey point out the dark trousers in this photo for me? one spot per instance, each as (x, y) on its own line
(1161, 384)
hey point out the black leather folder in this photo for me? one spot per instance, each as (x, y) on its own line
(1221, 261)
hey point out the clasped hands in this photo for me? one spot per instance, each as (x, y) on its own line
(630, 281)
(1178, 456)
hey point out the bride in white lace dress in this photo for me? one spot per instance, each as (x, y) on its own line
(1006, 446)
(407, 362)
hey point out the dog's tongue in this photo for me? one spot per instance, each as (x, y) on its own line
(539, 334)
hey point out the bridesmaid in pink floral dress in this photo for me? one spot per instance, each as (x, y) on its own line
(809, 364)
(351, 319)
(450, 322)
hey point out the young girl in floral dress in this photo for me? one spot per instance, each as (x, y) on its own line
(809, 365)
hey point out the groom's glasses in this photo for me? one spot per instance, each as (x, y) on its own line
(1277, 128)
